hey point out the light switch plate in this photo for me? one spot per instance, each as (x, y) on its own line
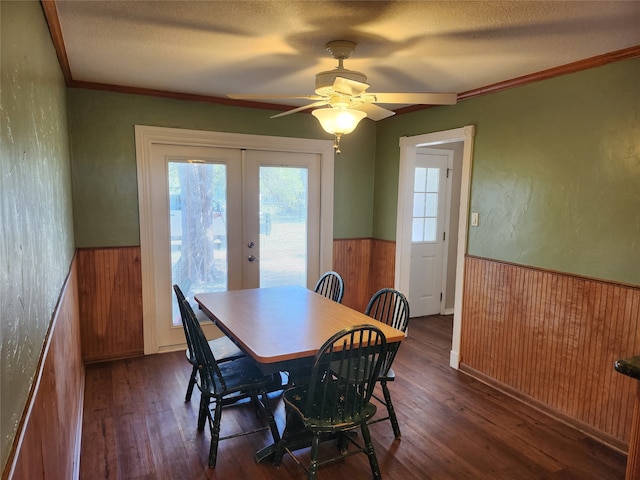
(474, 219)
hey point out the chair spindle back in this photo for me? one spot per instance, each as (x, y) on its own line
(330, 285)
(210, 375)
(344, 373)
(391, 307)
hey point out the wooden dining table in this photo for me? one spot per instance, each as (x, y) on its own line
(282, 329)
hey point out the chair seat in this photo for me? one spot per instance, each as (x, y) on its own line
(240, 375)
(296, 398)
(223, 350)
(389, 377)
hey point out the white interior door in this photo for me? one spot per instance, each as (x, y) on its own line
(226, 219)
(427, 233)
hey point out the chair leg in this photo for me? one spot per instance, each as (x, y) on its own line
(215, 433)
(192, 383)
(390, 409)
(266, 405)
(371, 453)
(255, 401)
(313, 463)
(203, 413)
(282, 443)
(342, 442)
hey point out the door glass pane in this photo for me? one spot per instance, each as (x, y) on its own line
(197, 193)
(425, 204)
(283, 226)
(430, 225)
(418, 204)
(432, 205)
(433, 177)
(417, 232)
(420, 179)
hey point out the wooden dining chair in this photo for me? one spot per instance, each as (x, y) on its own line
(336, 399)
(391, 307)
(223, 348)
(330, 285)
(221, 383)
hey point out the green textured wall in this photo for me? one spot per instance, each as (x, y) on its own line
(101, 126)
(556, 171)
(36, 237)
(555, 176)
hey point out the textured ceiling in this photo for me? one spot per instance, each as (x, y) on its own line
(245, 47)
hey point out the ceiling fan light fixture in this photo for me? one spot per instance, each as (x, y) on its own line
(338, 121)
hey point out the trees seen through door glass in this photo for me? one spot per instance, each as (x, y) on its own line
(197, 198)
(283, 225)
(198, 227)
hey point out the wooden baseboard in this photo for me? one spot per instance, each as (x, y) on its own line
(78, 441)
(108, 357)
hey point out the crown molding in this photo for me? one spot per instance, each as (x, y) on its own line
(578, 66)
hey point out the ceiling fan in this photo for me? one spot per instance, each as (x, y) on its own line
(344, 91)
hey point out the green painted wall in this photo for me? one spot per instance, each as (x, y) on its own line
(555, 176)
(101, 126)
(556, 171)
(36, 236)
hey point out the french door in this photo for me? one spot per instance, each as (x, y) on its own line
(229, 218)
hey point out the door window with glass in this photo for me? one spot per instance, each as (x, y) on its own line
(283, 225)
(282, 233)
(425, 204)
(197, 227)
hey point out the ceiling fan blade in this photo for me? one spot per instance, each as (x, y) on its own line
(259, 96)
(299, 109)
(374, 112)
(416, 98)
(346, 86)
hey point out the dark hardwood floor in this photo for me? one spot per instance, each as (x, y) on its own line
(137, 426)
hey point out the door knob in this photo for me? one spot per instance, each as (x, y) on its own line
(251, 258)
(250, 244)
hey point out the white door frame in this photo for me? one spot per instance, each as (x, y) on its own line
(145, 136)
(408, 146)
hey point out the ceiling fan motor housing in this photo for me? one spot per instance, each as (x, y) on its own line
(324, 80)
(340, 49)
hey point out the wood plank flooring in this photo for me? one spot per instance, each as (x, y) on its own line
(137, 426)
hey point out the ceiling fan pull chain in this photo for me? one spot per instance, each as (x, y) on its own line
(336, 144)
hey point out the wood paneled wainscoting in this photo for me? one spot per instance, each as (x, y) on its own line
(366, 266)
(110, 290)
(47, 444)
(551, 339)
